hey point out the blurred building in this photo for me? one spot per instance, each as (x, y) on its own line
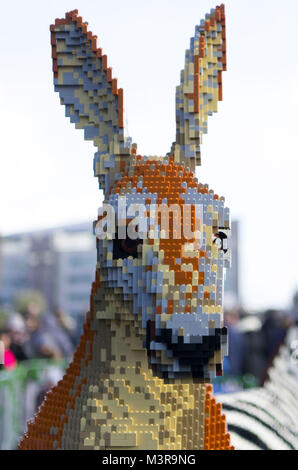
(14, 257)
(58, 262)
(61, 262)
(232, 294)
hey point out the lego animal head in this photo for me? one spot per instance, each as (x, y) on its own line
(161, 236)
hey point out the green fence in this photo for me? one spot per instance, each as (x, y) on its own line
(21, 392)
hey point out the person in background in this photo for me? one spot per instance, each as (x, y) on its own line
(9, 359)
(16, 327)
(48, 333)
(61, 327)
(234, 362)
(67, 323)
(273, 332)
(40, 343)
(293, 314)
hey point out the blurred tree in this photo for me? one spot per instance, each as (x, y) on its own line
(3, 318)
(30, 299)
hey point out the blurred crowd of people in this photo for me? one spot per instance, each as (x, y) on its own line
(255, 339)
(36, 334)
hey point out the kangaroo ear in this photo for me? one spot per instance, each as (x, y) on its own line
(90, 95)
(200, 88)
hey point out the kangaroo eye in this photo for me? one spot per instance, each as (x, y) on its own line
(125, 247)
(130, 246)
(220, 239)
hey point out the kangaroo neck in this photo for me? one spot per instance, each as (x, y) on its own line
(126, 404)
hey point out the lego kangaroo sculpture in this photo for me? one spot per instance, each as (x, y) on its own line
(154, 336)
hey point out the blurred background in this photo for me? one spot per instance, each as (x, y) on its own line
(49, 199)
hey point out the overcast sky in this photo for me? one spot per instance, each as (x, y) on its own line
(249, 154)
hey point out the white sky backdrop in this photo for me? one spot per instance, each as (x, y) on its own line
(249, 154)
